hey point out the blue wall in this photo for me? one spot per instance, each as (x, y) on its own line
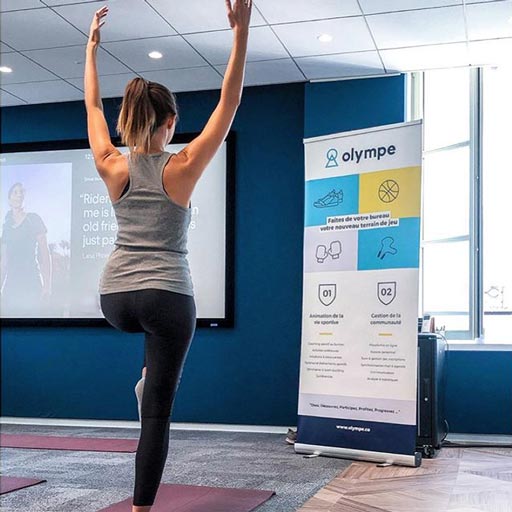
(249, 374)
(245, 375)
(332, 107)
(479, 391)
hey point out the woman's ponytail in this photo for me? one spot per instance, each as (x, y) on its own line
(146, 105)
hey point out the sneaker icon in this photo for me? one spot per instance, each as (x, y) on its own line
(331, 199)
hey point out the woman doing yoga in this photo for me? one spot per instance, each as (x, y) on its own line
(146, 284)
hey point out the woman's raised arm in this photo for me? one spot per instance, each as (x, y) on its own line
(197, 154)
(97, 128)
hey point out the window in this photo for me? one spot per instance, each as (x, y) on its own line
(497, 204)
(466, 265)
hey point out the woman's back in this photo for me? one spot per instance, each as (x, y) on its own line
(151, 244)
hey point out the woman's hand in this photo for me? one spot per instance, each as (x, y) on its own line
(239, 15)
(97, 22)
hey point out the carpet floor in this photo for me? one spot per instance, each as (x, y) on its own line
(88, 481)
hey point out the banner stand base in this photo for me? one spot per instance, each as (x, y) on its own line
(397, 459)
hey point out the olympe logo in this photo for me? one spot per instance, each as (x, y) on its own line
(356, 156)
(332, 156)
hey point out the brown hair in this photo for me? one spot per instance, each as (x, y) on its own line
(146, 105)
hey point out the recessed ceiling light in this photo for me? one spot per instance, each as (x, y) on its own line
(325, 38)
(5, 69)
(155, 55)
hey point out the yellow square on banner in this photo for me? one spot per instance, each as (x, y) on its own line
(395, 190)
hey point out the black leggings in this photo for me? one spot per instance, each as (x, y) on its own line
(168, 320)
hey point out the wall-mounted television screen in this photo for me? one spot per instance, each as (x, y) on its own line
(58, 228)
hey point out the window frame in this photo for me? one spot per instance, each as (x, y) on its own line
(414, 108)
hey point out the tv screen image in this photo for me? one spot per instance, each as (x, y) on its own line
(58, 228)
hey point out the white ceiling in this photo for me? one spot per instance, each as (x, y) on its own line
(43, 41)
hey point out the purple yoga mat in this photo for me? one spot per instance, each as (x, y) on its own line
(68, 443)
(195, 498)
(13, 483)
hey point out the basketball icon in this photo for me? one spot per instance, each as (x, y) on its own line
(388, 191)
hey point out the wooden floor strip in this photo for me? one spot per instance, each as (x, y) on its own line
(456, 480)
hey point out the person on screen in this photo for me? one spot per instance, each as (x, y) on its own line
(146, 284)
(25, 259)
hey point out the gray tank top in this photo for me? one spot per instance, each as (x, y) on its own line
(151, 246)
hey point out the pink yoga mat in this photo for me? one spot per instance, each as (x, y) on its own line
(13, 483)
(68, 443)
(195, 498)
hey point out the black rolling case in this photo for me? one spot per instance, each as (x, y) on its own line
(432, 427)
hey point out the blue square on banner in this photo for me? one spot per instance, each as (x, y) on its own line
(329, 197)
(395, 247)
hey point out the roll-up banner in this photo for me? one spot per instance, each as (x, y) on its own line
(358, 372)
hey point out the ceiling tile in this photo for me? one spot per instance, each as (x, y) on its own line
(193, 79)
(349, 35)
(53, 91)
(379, 6)
(270, 72)
(489, 20)
(23, 70)
(62, 2)
(111, 86)
(306, 10)
(425, 57)
(176, 52)
(4, 48)
(414, 28)
(216, 46)
(37, 28)
(69, 62)
(198, 15)
(8, 100)
(495, 51)
(127, 19)
(15, 5)
(340, 66)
